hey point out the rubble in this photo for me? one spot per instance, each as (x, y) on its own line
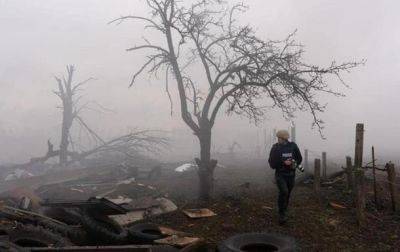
(102, 222)
(25, 203)
(139, 213)
(86, 210)
(100, 205)
(18, 174)
(21, 198)
(120, 200)
(127, 181)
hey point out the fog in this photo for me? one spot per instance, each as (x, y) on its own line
(39, 38)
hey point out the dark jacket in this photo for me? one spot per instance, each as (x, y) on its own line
(281, 152)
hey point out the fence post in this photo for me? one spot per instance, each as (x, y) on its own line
(350, 174)
(392, 184)
(358, 154)
(324, 165)
(317, 176)
(306, 160)
(359, 174)
(293, 133)
(374, 174)
(359, 195)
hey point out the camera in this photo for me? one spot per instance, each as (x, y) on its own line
(295, 166)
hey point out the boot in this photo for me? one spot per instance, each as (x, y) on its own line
(282, 219)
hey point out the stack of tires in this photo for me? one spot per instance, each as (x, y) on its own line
(77, 227)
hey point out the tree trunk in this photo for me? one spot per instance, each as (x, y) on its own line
(206, 165)
(66, 125)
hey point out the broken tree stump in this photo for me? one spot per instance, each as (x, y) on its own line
(392, 184)
(317, 176)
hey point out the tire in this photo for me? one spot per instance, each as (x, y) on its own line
(67, 216)
(11, 247)
(74, 233)
(145, 233)
(35, 236)
(255, 242)
(103, 230)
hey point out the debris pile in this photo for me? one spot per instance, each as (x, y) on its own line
(101, 208)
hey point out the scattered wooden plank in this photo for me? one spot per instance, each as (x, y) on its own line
(199, 213)
(178, 241)
(170, 232)
(337, 206)
(164, 206)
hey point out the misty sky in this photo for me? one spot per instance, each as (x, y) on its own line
(40, 37)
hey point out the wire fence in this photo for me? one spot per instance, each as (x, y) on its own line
(333, 165)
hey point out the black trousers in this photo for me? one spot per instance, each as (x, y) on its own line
(285, 185)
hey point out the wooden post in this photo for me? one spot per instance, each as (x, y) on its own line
(360, 196)
(392, 184)
(317, 176)
(324, 165)
(265, 147)
(359, 174)
(306, 160)
(374, 173)
(350, 175)
(293, 133)
(358, 154)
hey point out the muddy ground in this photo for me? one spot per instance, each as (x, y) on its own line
(313, 222)
(245, 201)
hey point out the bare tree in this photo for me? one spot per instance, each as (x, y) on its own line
(68, 93)
(240, 68)
(130, 144)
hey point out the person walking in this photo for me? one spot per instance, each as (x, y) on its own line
(284, 158)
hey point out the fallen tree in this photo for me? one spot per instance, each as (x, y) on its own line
(69, 93)
(129, 144)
